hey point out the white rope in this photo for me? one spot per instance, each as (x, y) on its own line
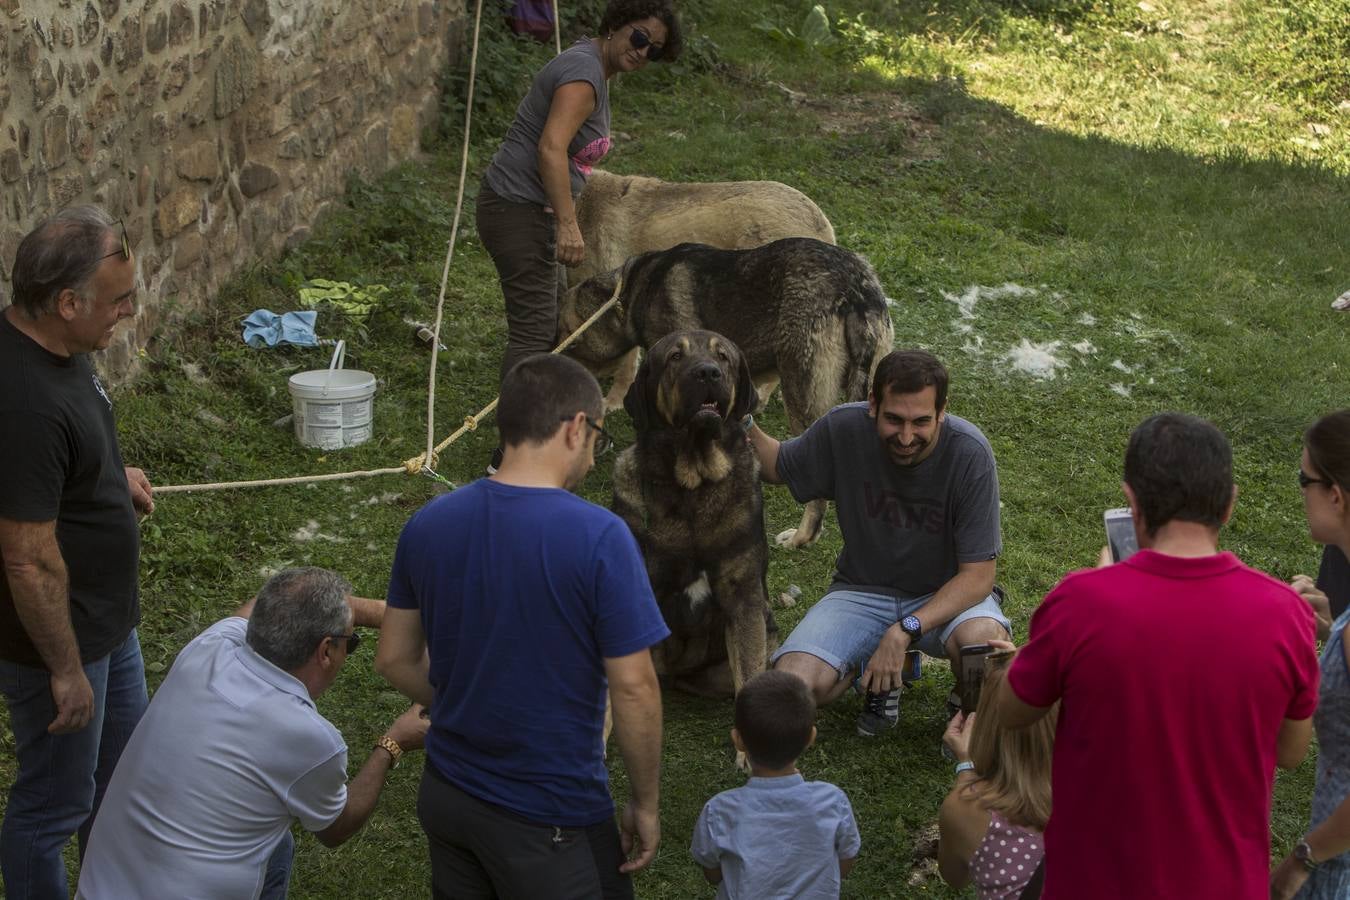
(557, 29)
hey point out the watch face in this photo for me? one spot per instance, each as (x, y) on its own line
(910, 625)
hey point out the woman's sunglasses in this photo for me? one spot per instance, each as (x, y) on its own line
(1304, 479)
(640, 40)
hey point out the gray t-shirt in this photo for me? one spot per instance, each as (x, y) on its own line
(514, 171)
(905, 528)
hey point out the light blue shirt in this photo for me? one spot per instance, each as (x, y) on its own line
(777, 838)
(229, 752)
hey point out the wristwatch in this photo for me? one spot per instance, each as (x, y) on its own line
(392, 748)
(1303, 853)
(911, 626)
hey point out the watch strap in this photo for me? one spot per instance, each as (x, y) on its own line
(965, 766)
(391, 747)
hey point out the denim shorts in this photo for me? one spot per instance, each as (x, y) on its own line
(844, 627)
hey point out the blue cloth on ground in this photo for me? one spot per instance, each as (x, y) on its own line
(264, 328)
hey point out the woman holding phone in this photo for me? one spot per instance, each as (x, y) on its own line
(991, 821)
(1319, 866)
(526, 209)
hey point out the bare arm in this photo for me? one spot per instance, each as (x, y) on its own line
(37, 578)
(401, 656)
(714, 876)
(365, 613)
(766, 449)
(971, 584)
(961, 826)
(1013, 711)
(636, 696)
(846, 866)
(572, 103)
(1292, 744)
(364, 790)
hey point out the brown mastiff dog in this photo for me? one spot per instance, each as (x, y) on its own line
(689, 489)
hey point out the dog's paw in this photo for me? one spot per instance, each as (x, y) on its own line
(742, 761)
(793, 538)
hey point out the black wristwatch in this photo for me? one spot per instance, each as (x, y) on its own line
(1303, 853)
(911, 626)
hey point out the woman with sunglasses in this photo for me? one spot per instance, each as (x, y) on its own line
(526, 209)
(1319, 866)
(991, 822)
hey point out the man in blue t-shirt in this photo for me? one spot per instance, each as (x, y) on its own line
(513, 605)
(917, 497)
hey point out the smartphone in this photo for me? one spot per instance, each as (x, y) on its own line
(1120, 536)
(971, 675)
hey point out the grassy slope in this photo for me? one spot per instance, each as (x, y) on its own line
(955, 145)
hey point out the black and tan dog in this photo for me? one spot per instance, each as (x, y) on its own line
(689, 489)
(804, 312)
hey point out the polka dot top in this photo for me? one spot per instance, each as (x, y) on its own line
(1005, 860)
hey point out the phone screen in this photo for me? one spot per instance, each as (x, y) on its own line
(972, 675)
(1120, 536)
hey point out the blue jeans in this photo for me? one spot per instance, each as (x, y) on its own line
(62, 777)
(278, 875)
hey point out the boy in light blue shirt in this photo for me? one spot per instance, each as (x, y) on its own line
(779, 836)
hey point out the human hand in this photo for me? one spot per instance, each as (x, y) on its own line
(957, 735)
(639, 834)
(883, 669)
(1000, 644)
(410, 729)
(1321, 606)
(571, 247)
(1287, 878)
(142, 494)
(1104, 558)
(74, 699)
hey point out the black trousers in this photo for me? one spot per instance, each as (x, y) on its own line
(483, 852)
(522, 240)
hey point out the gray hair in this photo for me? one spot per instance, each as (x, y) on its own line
(294, 611)
(62, 252)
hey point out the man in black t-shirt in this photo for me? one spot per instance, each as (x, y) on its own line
(70, 664)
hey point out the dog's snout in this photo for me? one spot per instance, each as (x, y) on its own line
(707, 371)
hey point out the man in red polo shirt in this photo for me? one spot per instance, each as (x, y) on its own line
(1184, 678)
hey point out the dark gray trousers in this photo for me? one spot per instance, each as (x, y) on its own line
(522, 240)
(480, 851)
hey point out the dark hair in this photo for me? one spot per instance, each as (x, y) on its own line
(619, 13)
(774, 715)
(1180, 468)
(1328, 443)
(294, 611)
(908, 372)
(62, 252)
(542, 391)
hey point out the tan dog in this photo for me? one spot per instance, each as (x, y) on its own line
(624, 215)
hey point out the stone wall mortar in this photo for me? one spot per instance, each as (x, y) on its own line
(217, 130)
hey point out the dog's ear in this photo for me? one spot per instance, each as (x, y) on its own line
(747, 398)
(637, 402)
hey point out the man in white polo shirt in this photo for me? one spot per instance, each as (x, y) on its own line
(232, 749)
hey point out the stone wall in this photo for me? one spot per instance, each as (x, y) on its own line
(218, 130)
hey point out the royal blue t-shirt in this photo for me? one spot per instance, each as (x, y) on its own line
(523, 593)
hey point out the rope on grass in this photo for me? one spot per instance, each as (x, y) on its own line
(557, 29)
(418, 464)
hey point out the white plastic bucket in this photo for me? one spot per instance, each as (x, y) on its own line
(334, 407)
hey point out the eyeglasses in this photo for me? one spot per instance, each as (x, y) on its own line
(639, 39)
(125, 249)
(603, 439)
(1304, 479)
(353, 641)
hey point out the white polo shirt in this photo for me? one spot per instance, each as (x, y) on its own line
(230, 750)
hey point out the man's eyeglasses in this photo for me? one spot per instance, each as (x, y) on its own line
(125, 249)
(640, 39)
(1304, 479)
(603, 439)
(353, 641)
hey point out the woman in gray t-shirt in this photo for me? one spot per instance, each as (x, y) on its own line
(526, 211)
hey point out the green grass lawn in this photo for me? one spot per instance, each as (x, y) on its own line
(1090, 213)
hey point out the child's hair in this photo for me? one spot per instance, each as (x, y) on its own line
(775, 713)
(1013, 764)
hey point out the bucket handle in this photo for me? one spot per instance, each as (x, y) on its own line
(335, 364)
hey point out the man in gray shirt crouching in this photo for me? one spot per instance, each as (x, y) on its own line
(233, 749)
(917, 498)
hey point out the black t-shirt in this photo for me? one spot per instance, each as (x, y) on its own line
(1333, 579)
(59, 461)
